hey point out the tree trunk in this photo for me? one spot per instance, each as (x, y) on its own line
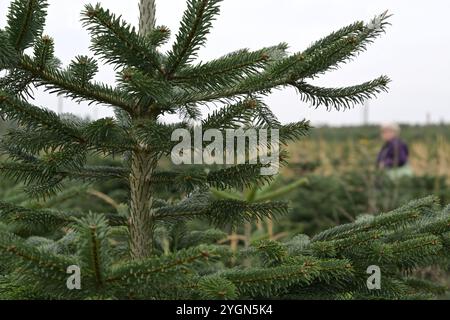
(141, 222)
(143, 164)
(147, 11)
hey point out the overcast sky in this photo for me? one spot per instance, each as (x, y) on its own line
(415, 52)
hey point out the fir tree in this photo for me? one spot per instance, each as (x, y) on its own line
(125, 255)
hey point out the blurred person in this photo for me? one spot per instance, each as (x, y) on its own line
(394, 155)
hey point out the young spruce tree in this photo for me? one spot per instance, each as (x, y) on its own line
(120, 255)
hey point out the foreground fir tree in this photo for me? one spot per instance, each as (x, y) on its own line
(145, 251)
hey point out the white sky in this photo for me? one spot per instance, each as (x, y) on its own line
(415, 52)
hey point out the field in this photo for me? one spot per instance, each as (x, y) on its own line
(340, 163)
(341, 180)
(344, 149)
(331, 179)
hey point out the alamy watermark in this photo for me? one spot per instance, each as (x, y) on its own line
(74, 280)
(374, 281)
(228, 147)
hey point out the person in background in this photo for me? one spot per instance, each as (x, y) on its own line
(394, 156)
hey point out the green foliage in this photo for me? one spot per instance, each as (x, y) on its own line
(27, 221)
(44, 51)
(93, 248)
(412, 236)
(195, 26)
(7, 54)
(26, 20)
(346, 97)
(83, 69)
(217, 288)
(221, 212)
(116, 42)
(327, 201)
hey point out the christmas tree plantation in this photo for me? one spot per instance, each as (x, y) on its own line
(146, 250)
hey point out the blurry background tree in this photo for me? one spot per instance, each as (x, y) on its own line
(258, 194)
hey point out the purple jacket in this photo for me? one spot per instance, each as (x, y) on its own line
(394, 154)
